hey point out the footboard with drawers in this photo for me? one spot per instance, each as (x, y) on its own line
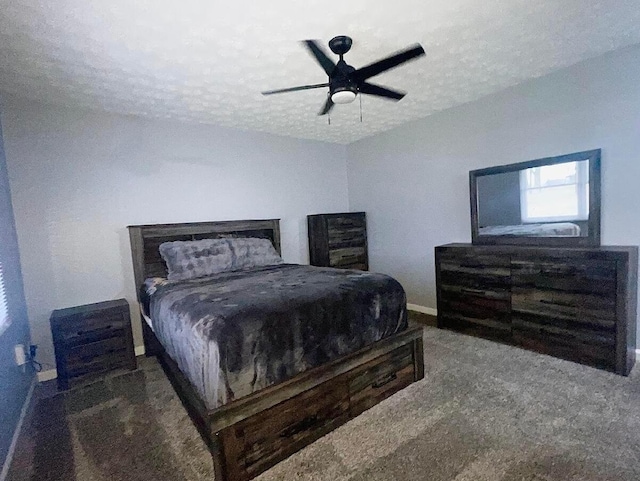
(574, 303)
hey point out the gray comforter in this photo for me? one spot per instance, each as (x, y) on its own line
(237, 332)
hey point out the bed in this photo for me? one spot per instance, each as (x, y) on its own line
(249, 429)
(561, 229)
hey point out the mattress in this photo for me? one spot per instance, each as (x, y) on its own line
(235, 333)
(565, 229)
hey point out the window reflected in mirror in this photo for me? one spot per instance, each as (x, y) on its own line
(553, 193)
(544, 201)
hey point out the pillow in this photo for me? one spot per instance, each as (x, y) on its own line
(253, 252)
(192, 259)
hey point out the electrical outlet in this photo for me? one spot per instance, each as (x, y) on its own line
(21, 355)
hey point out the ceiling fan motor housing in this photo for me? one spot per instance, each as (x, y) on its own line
(342, 88)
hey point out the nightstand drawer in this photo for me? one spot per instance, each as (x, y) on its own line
(99, 364)
(90, 329)
(96, 370)
(87, 353)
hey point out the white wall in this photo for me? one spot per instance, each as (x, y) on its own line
(79, 178)
(413, 181)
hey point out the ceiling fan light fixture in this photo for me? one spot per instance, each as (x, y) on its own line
(343, 97)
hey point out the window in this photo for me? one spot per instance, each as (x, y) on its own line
(4, 310)
(558, 192)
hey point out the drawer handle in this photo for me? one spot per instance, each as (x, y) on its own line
(473, 291)
(303, 425)
(105, 328)
(385, 380)
(558, 270)
(91, 357)
(556, 303)
(470, 264)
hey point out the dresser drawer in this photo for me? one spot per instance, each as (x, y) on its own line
(266, 438)
(347, 234)
(550, 336)
(345, 222)
(480, 272)
(579, 309)
(381, 378)
(480, 311)
(472, 260)
(347, 241)
(586, 275)
(347, 256)
(357, 266)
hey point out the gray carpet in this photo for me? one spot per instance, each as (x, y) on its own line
(483, 412)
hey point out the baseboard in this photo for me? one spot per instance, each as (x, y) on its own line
(424, 310)
(47, 375)
(14, 440)
(50, 374)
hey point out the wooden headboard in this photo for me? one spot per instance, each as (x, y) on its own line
(146, 239)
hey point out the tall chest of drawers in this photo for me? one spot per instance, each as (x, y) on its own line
(574, 303)
(92, 340)
(338, 240)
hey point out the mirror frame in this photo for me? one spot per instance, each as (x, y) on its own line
(593, 238)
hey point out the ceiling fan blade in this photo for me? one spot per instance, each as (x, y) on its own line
(328, 105)
(388, 63)
(316, 50)
(295, 89)
(372, 89)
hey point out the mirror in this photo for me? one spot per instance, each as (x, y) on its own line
(552, 201)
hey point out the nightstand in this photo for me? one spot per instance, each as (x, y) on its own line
(92, 340)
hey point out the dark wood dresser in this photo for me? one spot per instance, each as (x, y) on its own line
(574, 303)
(92, 340)
(338, 240)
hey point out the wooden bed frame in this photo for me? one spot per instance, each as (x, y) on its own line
(249, 435)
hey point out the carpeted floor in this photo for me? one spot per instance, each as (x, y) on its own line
(484, 412)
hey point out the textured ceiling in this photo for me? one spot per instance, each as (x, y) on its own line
(207, 61)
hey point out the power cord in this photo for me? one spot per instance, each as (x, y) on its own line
(33, 349)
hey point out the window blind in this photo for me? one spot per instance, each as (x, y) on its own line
(4, 308)
(558, 192)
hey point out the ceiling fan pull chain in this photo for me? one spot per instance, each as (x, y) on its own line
(329, 118)
(360, 108)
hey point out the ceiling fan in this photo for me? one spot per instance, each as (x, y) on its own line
(346, 82)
